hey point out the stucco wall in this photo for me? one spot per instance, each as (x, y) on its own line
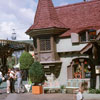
(65, 45)
(63, 73)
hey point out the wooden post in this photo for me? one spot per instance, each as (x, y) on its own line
(82, 64)
(38, 48)
(52, 47)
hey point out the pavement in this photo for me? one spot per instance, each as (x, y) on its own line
(3, 93)
(45, 96)
(30, 96)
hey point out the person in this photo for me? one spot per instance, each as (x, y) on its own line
(12, 81)
(8, 82)
(19, 80)
(84, 87)
(79, 95)
(1, 77)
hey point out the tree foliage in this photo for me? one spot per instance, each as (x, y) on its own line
(26, 60)
(36, 73)
(11, 62)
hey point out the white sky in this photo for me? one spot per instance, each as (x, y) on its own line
(19, 15)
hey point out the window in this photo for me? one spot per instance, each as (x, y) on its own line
(78, 69)
(35, 42)
(92, 34)
(87, 35)
(83, 37)
(87, 71)
(45, 44)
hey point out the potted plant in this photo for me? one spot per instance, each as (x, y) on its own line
(37, 76)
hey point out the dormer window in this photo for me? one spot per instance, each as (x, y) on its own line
(87, 35)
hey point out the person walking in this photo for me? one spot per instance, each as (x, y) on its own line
(19, 80)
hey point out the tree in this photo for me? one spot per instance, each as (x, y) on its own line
(26, 60)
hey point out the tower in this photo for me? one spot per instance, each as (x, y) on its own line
(45, 30)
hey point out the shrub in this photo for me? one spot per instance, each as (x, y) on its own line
(36, 73)
(93, 91)
(26, 60)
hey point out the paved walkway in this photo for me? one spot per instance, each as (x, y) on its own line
(30, 96)
(51, 96)
(3, 93)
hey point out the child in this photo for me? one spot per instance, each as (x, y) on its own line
(83, 88)
(79, 95)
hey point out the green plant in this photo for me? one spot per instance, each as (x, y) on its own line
(11, 62)
(26, 60)
(36, 73)
(93, 91)
(62, 87)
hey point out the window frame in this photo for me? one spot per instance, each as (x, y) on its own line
(45, 42)
(87, 36)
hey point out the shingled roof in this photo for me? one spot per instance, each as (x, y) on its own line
(80, 16)
(77, 17)
(46, 16)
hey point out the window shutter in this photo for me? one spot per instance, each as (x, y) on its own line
(75, 38)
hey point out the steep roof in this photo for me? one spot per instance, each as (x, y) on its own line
(46, 16)
(77, 17)
(80, 16)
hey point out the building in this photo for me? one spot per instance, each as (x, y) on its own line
(59, 34)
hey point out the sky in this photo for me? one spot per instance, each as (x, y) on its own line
(18, 15)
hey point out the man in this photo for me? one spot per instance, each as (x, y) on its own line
(12, 81)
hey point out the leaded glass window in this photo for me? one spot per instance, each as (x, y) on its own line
(45, 44)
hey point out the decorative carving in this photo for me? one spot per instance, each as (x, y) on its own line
(46, 58)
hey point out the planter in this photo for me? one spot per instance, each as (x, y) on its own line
(37, 89)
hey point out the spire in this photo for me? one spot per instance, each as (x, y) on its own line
(46, 16)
